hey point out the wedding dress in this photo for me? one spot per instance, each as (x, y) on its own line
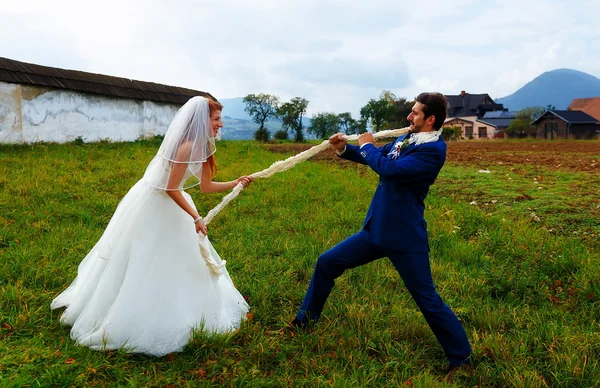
(144, 287)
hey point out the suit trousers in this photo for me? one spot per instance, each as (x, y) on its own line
(415, 271)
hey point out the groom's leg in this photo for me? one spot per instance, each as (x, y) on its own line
(356, 250)
(415, 270)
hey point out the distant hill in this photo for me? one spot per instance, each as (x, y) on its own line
(234, 107)
(557, 87)
(237, 124)
(242, 129)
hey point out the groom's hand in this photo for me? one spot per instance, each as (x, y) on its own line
(338, 141)
(365, 138)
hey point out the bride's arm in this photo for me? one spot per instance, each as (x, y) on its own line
(173, 191)
(208, 186)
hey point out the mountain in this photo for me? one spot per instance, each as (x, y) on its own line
(238, 125)
(557, 87)
(243, 129)
(234, 107)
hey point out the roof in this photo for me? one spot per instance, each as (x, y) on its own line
(456, 119)
(569, 116)
(17, 72)
(591, 106)
(468, 104)
(497, 122)
(500, 114)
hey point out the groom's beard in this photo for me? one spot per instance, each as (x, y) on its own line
(413, 128)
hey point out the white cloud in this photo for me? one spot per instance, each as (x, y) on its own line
(337, 54)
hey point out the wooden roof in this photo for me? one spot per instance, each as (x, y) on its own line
(23, 73)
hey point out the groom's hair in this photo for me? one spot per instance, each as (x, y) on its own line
(434, 104)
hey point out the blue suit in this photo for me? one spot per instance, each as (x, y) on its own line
(395, 228)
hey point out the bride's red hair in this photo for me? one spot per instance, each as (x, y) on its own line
(214, 106)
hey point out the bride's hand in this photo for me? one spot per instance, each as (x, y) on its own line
(244, 180)
(201, 227)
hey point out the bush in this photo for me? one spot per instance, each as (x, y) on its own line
(281, 135)
(450, 133)
(262, 134)
(78, 141)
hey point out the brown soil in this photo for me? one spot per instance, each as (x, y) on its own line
(558, 155)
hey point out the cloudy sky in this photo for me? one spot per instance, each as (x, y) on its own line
(336, 54)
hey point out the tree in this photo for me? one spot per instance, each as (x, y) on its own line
(362, 126)
(324, 124)
(398, 117)
(261, 107)
(291, 113)
(521, 126)
(379, 111)
(347, 124)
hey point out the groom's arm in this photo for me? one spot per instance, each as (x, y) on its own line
(355, 154)
(352, 154)
(426, 160)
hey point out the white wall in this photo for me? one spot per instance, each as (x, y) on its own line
(10, 113)
(31, 114)
(474, 123)
(157, 117)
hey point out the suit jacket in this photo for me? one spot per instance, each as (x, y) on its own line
(395, 217)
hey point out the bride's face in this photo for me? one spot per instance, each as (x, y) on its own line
(215, 122)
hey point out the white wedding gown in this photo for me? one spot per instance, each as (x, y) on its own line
(144, 286)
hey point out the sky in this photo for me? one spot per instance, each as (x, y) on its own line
(336, 54)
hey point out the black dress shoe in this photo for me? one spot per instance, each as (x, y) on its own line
(291, 328)
(298, 323)
(462, 368)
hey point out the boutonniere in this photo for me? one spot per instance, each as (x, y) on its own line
(404, 144)
(398, 148)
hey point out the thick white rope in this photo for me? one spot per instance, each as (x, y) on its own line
(279, 166)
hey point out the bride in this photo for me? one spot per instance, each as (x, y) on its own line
(144, 286)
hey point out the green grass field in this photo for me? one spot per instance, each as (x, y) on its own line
(520, 268)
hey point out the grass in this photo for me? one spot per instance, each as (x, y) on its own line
(527, 289)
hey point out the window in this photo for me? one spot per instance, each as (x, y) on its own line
(469, 132)
(482, 132)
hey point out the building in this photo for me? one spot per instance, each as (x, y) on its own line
(591, 106)
(566, 124)
(499, 120)
(40, 103)
(465, 109)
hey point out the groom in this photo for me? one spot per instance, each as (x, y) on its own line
(394, 226)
